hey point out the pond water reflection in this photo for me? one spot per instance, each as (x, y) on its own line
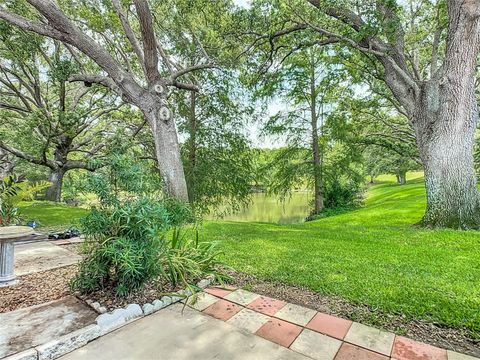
(265, 208)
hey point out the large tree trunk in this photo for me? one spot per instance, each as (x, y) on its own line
(54, 192)
(444, 117)
(445, 125)
(167, 148)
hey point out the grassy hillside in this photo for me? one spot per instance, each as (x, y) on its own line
(372, 256)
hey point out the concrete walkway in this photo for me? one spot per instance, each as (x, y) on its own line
(41, 256)
(36, 325)
(176, 335)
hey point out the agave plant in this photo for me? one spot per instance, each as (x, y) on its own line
(14, 189)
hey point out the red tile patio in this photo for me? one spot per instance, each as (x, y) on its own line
(330, 325)
(370, 345)
(266, 305)
(218, 291)
(351, 352)
(279, 331)
(222, 309)
(406, 349)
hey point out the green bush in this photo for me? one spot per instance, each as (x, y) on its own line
(127, 233)
(187, 258)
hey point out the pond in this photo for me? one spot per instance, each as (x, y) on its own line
(265, 208)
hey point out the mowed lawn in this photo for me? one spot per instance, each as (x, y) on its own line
(371, 256)
(50, 214)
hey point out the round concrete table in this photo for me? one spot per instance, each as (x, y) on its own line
(8, 236)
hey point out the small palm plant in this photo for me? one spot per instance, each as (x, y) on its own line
(14, 189)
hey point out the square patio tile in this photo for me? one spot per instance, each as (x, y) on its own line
(295, 314)
(452, 355)
(279, 332)
(248, 320)
(315, 345)
(219, 291)
(330, 325)
(370, 338)
(222, 309)
(201, 302)
(352, 352)
(266, 305)
(406, 349)
(242, 297)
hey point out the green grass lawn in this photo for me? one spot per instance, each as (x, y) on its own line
(51, 215)
(371, 256)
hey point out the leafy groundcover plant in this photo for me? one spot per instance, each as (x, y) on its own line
(133, 236)
(14, 189)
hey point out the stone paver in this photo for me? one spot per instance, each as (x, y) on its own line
(452, 355)
(41, 256)
(266, 305)
(248, 320)
(352, 352)
(181, 334)
(370, 338)
(218, 291)
(330, 325)
(222, 309)
(279, 331)
(406, 349)
(201, 301)
(241, 297)
(295, 314)
(315, 345)
(36, 325)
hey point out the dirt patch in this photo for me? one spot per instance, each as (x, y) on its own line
(460, 340)
(37, 288)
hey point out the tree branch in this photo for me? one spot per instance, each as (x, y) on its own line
(149, 41)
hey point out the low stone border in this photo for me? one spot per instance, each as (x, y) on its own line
(104, 323)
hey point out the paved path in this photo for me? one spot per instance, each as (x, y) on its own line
(173, 335)
(36, 325)
(41, 256)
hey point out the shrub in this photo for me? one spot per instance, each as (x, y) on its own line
(127, 230)
(187, 258)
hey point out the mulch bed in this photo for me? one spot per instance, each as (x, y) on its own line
(108, 298)
(37, 288)
(454, 339)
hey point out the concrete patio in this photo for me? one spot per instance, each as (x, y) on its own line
(41, 256)
(182, 334)
(35, 325)
(237, 324)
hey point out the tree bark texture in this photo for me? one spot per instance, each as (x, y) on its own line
(167, 147)
(444, 117)
(54, 192)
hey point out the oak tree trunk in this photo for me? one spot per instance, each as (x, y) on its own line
(445, 124)
(54, 192)
(167, 148)
(401, 177)
(444, 114)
